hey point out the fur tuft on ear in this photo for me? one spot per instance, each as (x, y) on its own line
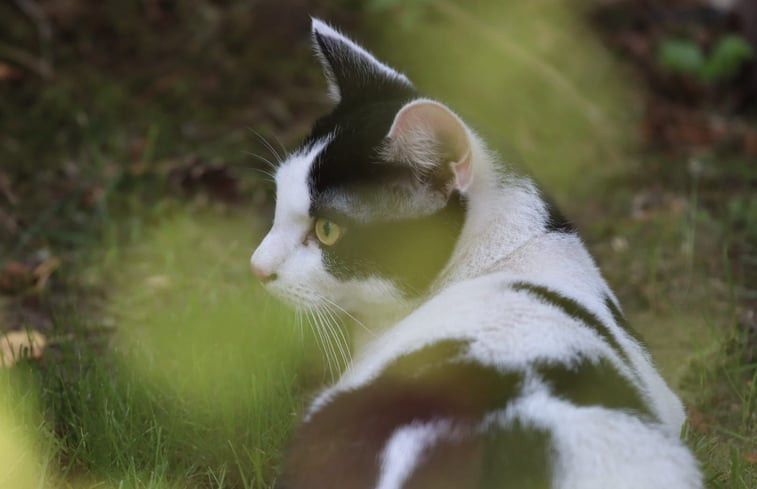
(350, 70)
(433, 140)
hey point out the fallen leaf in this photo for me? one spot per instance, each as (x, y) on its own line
(43, 271)
(16, 345)
(16, 277)
(751, 458)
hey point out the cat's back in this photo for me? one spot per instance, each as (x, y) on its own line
(546, 302)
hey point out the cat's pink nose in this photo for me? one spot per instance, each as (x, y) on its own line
(262, 275)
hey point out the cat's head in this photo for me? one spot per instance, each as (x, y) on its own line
(370, 206)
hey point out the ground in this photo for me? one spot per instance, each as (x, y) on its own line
(131, 135)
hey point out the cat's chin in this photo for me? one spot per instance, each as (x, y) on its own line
(372, 300)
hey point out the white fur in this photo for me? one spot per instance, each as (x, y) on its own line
(404, 451)
(409, 200)
(292, 221)
(291, 252)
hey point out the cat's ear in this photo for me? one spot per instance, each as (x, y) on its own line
(434, 141)
(351, 70)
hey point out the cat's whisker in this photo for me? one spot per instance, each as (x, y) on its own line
(269, 146)
(300, 326)
(281, 145)
(335, 328)
(328, 346)
(307, 316)
(337, 334)
(263, 159)
(344, 311)
(317, 329)
(333, 341)
(318, 337)
(270, 177)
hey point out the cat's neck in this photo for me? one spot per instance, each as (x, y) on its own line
(504, 213)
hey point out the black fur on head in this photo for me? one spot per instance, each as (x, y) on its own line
(352, 72)
(399, 225)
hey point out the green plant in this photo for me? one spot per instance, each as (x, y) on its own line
(729, 54)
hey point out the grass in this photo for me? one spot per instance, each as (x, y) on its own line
(169, 368)
(200, 384)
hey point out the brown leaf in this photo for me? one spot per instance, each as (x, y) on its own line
(43, 271)
(751, 457)
(16, 345)
(16, 277)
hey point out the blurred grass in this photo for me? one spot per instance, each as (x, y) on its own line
(531, 78)
(186, 375)
(200, 385)
(26, 461)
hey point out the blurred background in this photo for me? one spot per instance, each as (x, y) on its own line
(138, 349)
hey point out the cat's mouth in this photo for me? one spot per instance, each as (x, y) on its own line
(299, 298)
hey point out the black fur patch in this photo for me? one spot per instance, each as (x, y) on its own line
(620, 319)
(594, 384)
(556, 221)
(340, 445)
(358, 80)
(511, 457)
(575, 310)
(411, 252)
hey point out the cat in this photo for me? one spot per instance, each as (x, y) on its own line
(489, 351)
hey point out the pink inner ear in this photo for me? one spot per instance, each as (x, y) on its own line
(421, 119)
(463, 172)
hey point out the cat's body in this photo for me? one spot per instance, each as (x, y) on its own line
(492, 353)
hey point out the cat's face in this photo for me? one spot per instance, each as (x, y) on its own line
(369, 208)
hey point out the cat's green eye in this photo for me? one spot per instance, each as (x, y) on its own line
(327, 232)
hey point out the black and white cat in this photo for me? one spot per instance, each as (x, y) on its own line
(490, 351)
